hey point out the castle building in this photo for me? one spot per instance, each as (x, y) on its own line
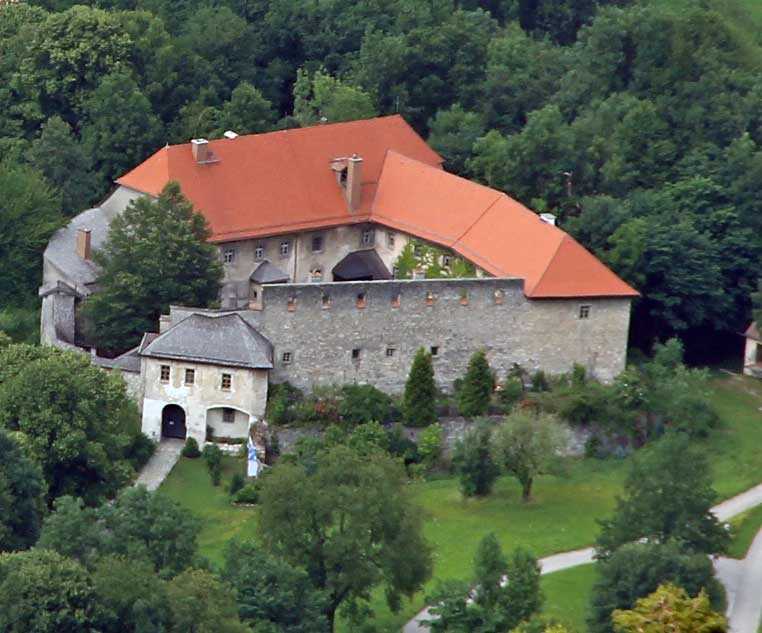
(313, 225)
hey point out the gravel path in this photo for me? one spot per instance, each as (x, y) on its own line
(744, 604)
(161, 463)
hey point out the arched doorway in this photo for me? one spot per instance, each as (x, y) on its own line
(173, 422)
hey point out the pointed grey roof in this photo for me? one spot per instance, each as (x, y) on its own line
(267, 273)
(224, 339)
(365, 264)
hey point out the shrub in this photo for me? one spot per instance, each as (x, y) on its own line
(510, 394)
(369, 438)
(402, 446)
(213, 459)
(281, 400)
(476, 390)
(430, 445)
(364, 403)
(473, 462)
(420, 391)
(190, 450)
(540, 381)
(236, 483)
(249, 493)
(578, 375)
(140, 450)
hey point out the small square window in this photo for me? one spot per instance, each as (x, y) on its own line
(367, 237)
(164, 373)
(317, 243)
(435, 350)
(390, 351)
(287, 357)
(356, 353)
(228, 255)
(390, 239)
(228, 416)
(190, 376)
(417, 250)
(584, 312)
(259, 252)
(446, 261)
(285, 248)
(316, 275)
(226, 382)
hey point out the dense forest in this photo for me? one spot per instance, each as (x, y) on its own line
(638, 124)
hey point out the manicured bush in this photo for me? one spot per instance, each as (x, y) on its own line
(236, 483)
(364, 403)
(190, 450)
(475, 391)
(420, 391)
(213, 458)
(430, 445)
(248, 494)
(473, 462)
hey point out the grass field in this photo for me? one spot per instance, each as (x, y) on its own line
(562, 515)
(745, 528)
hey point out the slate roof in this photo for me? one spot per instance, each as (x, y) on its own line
(61, 250)
(225, 339)
(268, 273)
(365, 264)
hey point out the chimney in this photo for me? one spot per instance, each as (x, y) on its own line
(230, 134)
(83, 244)
(548, 218)
(353, 191)
(200, 148)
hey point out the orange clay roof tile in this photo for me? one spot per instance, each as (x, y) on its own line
(281, 182)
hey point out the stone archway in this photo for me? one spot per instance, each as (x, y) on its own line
(173, 422)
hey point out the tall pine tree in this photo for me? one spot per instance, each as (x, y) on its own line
(476, 391)
(420, 391)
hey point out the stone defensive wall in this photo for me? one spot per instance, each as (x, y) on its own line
(368, 332)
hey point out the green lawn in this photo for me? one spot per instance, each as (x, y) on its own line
(567, 595)
(562, 515)
(745, 528)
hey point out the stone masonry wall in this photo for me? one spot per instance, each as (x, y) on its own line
(319, 326)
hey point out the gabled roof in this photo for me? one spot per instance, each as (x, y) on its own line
(265, 184)
(281, 182)
(490, 229)
(225, 339)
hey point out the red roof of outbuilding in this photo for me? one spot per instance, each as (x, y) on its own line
(281, 182)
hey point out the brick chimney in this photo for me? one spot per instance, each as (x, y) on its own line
(353, 191)
(83, 244)
(200, 149)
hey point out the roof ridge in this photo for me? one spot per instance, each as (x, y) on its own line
(500, 195)
(564, 236)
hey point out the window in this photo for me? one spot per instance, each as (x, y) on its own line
(285, 247)
(417, 250)
(396, 301)
(499, 296)
(326, 299)
(395, 272)
(317, 243)
(390, 239)
(316, 275)
(446, 261)
(164, 373)
(259, 252)
(228, 255)
(226, 382)
(584, 312)
(356, 353)
(435, 350)
(190, 376)
(390, 352)
(361, 300)
(287, 357)
(367, 237)
(228, 415)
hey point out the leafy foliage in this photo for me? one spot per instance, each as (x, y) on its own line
(473, 461)
(348, 523)
(475, 392)
(213, 458)
(156, 254)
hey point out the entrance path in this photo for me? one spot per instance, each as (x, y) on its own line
(744, 607)
(162, 461)
(743, 583)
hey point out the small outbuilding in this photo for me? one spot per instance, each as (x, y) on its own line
(205, 376)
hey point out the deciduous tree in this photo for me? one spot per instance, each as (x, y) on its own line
(473, 461)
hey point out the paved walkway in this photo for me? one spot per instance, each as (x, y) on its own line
(743, 584)
(743, 607)
(161, 462)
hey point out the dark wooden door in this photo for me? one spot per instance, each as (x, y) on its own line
(173, 422)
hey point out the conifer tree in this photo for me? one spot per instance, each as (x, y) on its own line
(420, 391)
(476, 390)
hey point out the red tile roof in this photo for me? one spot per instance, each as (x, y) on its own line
(281, 182)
